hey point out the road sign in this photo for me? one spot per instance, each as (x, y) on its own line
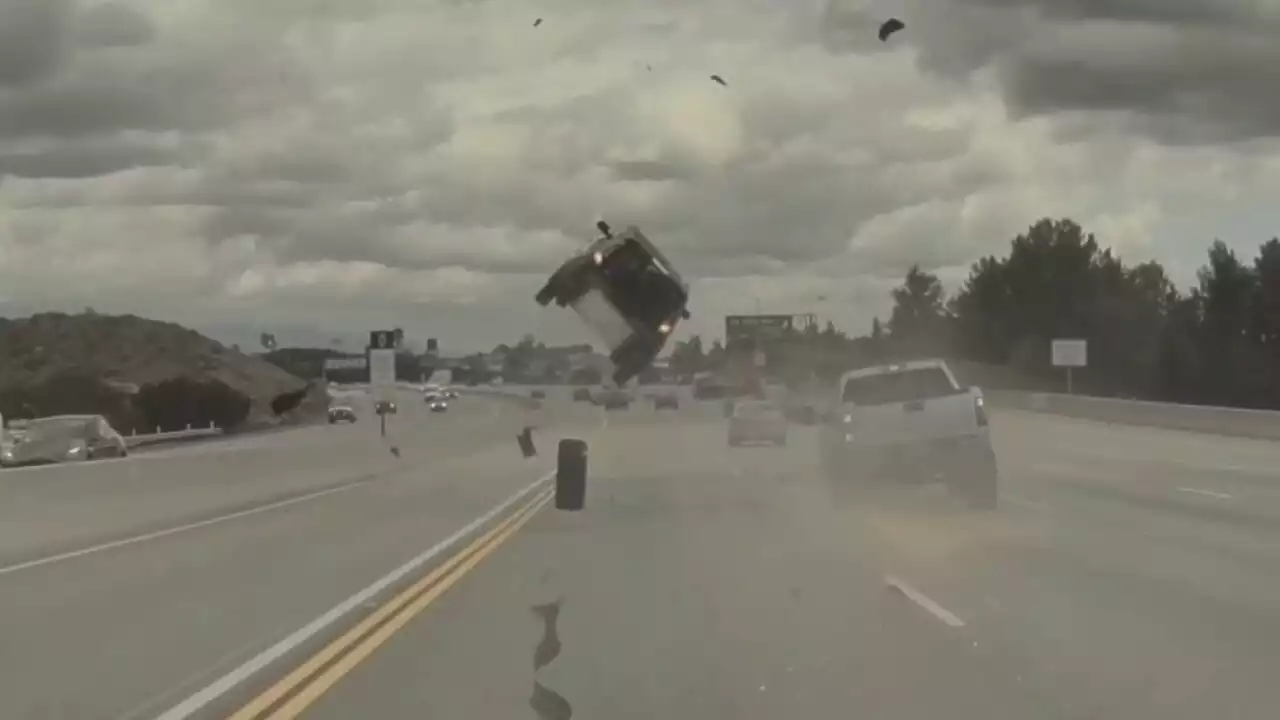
(346, 363)
(1070, 353)
(750, 327)
(382, 340)
(382, 373)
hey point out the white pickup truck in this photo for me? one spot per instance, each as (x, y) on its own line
(910, 423)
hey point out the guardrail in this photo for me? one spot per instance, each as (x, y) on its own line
(136, 439)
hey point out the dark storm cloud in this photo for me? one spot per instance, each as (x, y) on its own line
(1182, 71)
(84, 160)
(113, 25)
(193, 89)
(33, 39)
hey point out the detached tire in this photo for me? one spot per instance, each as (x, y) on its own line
(571, 474)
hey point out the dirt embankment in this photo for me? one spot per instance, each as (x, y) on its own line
(143, 374)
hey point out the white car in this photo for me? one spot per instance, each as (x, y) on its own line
(910, 423)
(754, 421)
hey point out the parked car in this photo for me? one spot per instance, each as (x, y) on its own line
(64, 438)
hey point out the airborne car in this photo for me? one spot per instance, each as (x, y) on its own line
(626, 290)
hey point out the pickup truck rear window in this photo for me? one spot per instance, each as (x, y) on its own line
(898, 387)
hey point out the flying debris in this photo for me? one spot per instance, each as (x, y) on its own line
(890, 26)
(720, 80)
(537, 22)
(395, 451)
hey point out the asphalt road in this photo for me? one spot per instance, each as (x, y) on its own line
(1130, 573)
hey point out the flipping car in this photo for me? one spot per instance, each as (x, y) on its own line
(910, 423)
(625, 290)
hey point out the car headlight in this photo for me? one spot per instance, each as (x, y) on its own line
(598, 258)
(664, 328)
(848, 418)
(75, 450)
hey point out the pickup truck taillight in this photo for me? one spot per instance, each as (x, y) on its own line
(980, 411)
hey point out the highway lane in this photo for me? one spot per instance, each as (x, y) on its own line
(50, 509)
(705, 582)
(123, 632)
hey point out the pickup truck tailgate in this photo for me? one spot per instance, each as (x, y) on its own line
(914, 421)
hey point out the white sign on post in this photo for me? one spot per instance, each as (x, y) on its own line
(382, 373)
(346, 363)
(1069, 354)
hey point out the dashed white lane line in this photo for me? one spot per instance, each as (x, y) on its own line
(1025, 503)
(188, 527)
(923, 601)
(1207, 493)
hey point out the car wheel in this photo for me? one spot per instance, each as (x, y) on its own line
(571, 474)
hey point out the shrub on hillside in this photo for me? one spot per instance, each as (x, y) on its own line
(180, 402)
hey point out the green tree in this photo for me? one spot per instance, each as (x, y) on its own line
(916, 321)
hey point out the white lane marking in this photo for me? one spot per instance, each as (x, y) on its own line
(923, 601)
(146, 537)
(1207, 493)
(1022, 502)
(254, 665)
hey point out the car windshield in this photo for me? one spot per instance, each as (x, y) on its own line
(898, 387)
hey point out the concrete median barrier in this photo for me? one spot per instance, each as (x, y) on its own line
(1235, 422)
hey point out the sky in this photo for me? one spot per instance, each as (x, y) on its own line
(320, 168)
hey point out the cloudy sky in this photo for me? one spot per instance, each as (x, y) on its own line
(320, 167)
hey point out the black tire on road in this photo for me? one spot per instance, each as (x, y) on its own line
(571, 474)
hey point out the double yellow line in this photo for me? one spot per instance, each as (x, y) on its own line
(289, 697)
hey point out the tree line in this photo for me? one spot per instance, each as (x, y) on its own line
(1217, 342)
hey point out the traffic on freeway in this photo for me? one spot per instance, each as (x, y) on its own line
(1125, 573)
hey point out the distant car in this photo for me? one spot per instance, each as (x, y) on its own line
(64, 438)
(538, 395)
(615, 399)
(438, 405)
(754, 421)
(451, 394)
(341, 413)
(666, 401)
(582, 395)
(625, 290)
(709, 389)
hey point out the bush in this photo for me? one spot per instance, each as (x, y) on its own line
(284, 402)
(68, 393)
(180, 402)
